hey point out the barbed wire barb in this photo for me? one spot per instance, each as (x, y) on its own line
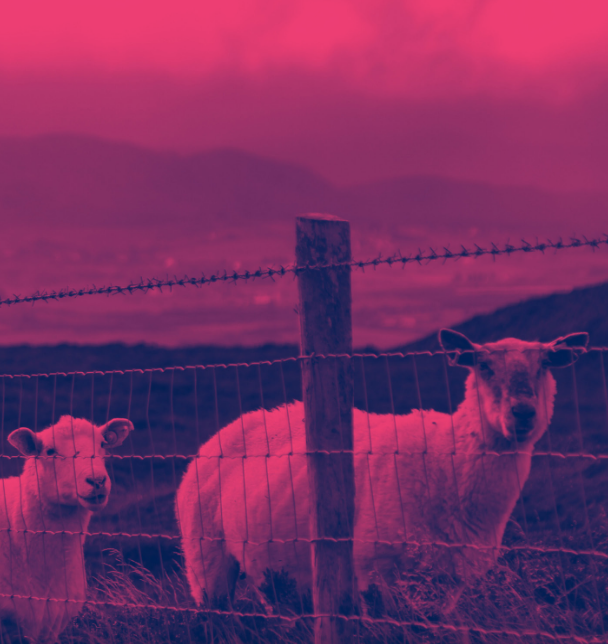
(145, 285)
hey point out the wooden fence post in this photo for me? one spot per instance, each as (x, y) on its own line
(327, 388)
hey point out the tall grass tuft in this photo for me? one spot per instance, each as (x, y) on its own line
(530, 596)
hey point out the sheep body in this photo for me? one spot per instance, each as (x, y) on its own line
(25, 558)
(393, 503)
(421, 478)
(44, 514)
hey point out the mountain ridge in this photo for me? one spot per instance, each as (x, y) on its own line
(83, 179)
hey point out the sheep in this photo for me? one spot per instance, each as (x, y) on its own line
(44, 515)
(421, 478)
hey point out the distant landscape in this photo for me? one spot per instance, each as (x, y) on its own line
(78, 210)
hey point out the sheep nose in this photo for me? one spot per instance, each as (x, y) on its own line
(96, 482)
(523, 412)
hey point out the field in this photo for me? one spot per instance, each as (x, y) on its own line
(542, 588)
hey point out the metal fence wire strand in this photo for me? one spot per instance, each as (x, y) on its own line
(174, 477)
(110, 463)
(364, 619)
(397, 451)
(255, 363)
(56, 481)
(131, 460)
(579, 431)
(562, 559)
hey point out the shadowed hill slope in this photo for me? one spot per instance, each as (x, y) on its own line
(541, 318)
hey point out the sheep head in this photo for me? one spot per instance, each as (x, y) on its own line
(513, 384)
(68, 460)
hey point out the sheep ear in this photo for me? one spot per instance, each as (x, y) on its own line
(565, 351)
(452, 341)
(115, 431)
(25, 441)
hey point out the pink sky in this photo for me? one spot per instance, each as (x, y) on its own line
(377, 43)
(501, 91)
(507, 90)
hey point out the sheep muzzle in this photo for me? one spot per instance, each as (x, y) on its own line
(524, 416)
(95, 498)
(95, 502)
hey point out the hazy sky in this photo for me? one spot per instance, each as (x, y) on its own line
(504, 90)
(418, 47)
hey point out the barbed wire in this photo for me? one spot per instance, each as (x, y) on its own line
(145, 285)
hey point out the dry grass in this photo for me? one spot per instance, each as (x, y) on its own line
(529, 596)
(128, 604)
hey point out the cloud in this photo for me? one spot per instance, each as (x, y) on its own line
(540, 33)
(415, 48)
(505, 91)
(185, 37)
(321, 121)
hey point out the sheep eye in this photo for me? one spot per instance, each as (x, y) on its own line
(51, 451)
(485, 369)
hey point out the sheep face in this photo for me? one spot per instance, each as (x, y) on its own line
(515, 388)
(68, 458)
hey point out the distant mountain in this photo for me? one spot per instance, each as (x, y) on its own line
(76, 180)
(79, 180)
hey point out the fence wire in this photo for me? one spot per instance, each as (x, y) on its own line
(550, 574)
(397, 259)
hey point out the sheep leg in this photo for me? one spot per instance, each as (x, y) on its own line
(373, 601)
(212, 572)
(224, 570)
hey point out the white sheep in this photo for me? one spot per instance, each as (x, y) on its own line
(43, 515)
(424, 477)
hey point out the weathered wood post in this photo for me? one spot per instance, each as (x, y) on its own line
(327, 387)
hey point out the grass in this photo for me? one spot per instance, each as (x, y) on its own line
(529, 596)
(128, 604)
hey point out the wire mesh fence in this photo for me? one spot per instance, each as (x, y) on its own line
(549, 574)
